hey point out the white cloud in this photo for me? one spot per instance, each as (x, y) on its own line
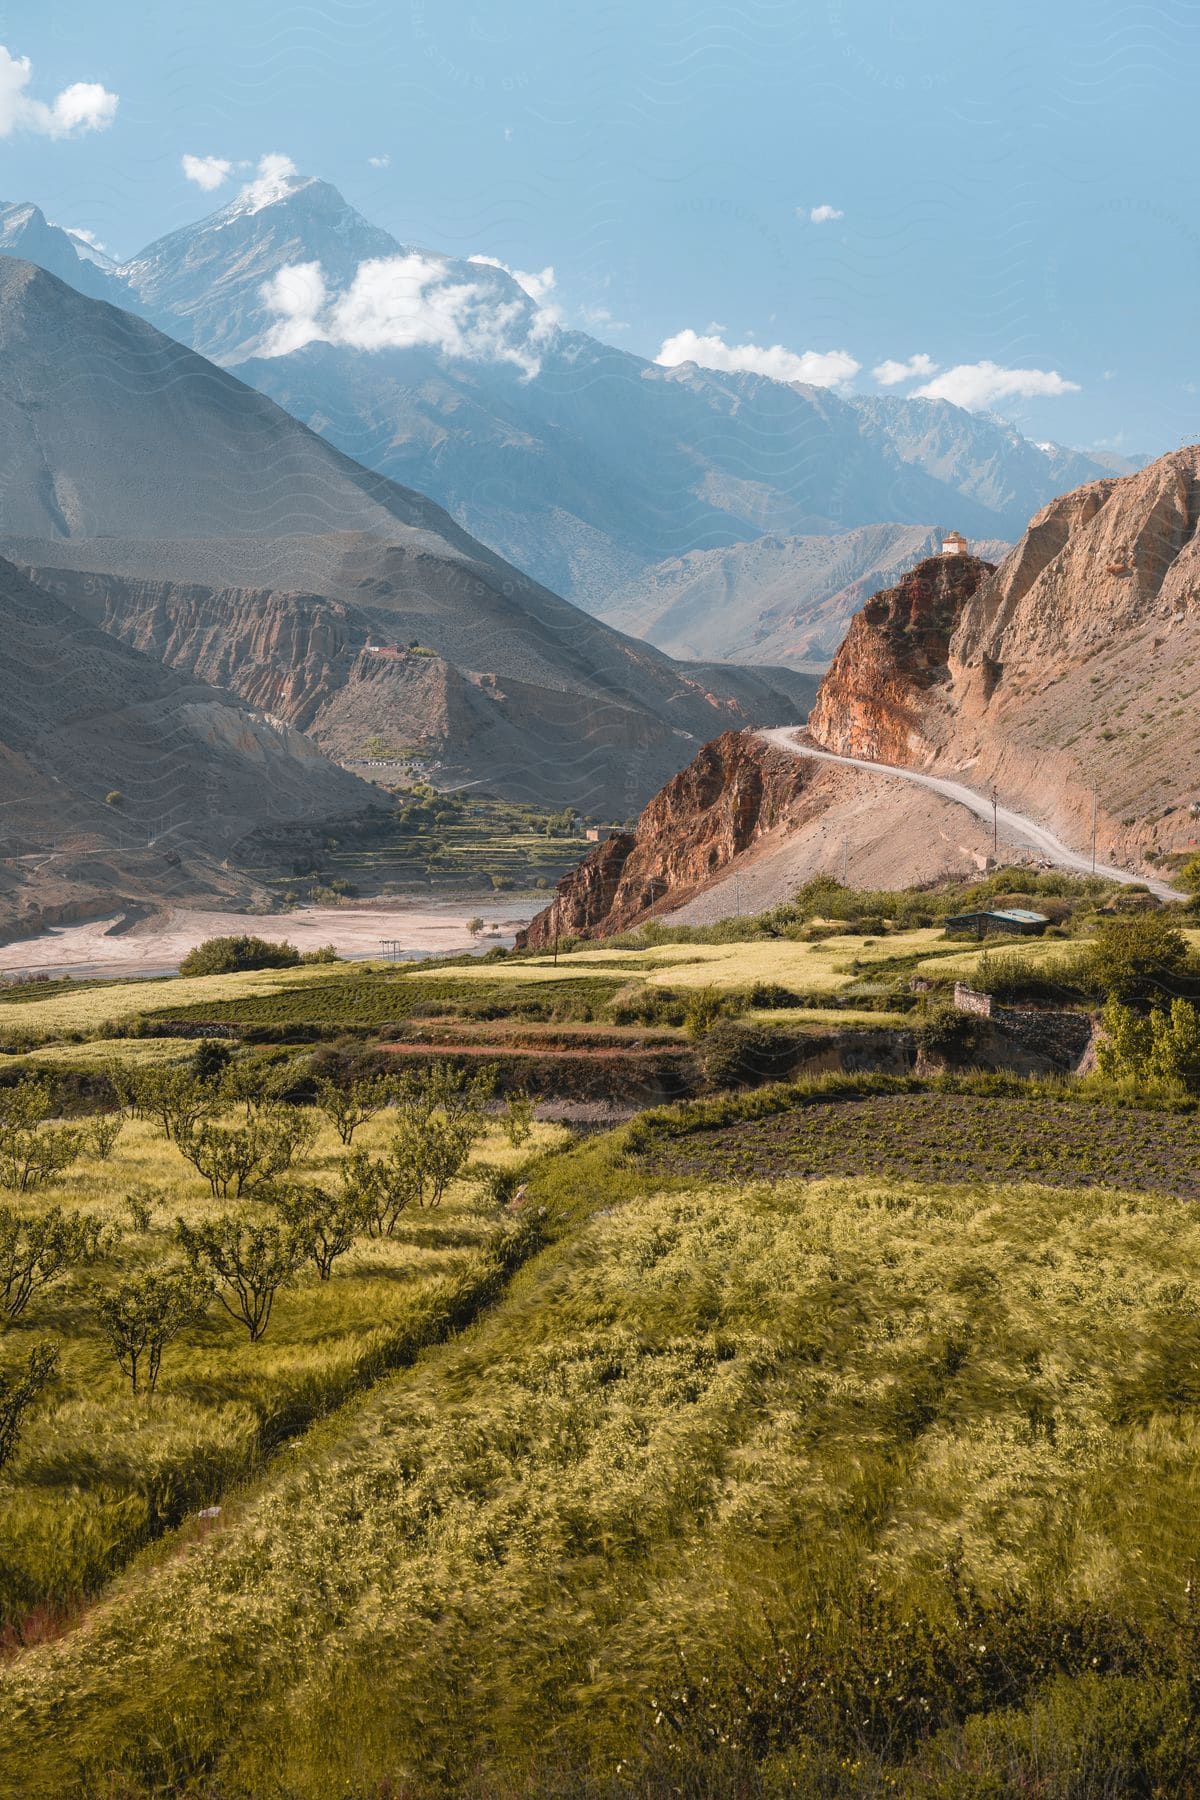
(88, 237)
(599, 318)
(208, 172)
(297, 294)
(84, 106)
(821, 215)
(976, 386)
(821, 368)
(889, 372)
(407, 302)
(380, 162)
(538, 284)
(271, 181)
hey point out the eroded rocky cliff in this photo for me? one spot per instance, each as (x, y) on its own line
(1068, 676)
(870, 702)
(541, 720)
(734, 792)
(1075, 668)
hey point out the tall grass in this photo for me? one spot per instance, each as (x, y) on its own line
(780, 1490)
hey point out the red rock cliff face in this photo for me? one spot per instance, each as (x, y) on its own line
(734, 790)
(897, 647)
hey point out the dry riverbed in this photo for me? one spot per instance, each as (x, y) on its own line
(156, 946)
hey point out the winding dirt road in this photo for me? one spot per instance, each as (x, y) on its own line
(1015, 827)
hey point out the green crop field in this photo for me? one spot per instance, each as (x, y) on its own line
(582, 983)
(88, 1007)
(950, 1136)
(100, 1054)
(816, 968)
(836, 1488)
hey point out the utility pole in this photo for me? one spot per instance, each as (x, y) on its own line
(995, 823)
(737, 892)
(1094, 803)
(845, 860)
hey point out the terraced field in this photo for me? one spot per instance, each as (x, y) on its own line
(950, 1137)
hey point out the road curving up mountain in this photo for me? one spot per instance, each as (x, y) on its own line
(1015, 828)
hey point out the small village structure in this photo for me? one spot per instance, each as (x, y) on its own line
(954, 544)
(1016, 921)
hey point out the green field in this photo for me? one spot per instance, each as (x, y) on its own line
(581, 984)
(88, 1008)
(437, 841)
(817, 1487)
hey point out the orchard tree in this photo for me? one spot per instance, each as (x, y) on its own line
(245, 1262)
(236, 1159)
(324, 1224)
(353, 1105)
(379, 1189)
(147, 1313)
(31, 1151)
(175, 1098)
(20, 1390)
(518, 1119)
(37, 1250)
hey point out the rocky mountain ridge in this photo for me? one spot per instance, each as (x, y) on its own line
(341, 670)
(733, 792)
(870, 700)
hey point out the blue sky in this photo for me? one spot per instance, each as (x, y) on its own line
(1017, 184)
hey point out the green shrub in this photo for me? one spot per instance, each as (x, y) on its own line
(232, 955)
(770, 995)
(743, 1055)
(704, 1007)
(946, 1031)
(1161, 1049)
(1136, 955)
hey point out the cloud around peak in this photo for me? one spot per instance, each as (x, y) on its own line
(890, 372)
(978, 386)
(539, 284)
(819, 368)
(411, 301)
(208, 172)
(84, 106)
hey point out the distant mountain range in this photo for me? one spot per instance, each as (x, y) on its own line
(157, 496)
(774, 600)
(581, 463)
